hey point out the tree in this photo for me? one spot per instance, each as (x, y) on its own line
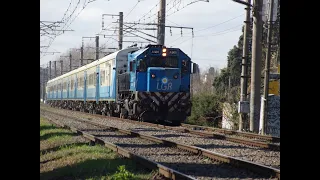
(228, 82)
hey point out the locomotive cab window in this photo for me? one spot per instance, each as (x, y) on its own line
(156, 61)
(142, 65)
(185, 66)
(171, 62)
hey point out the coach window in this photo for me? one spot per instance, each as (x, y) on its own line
(72, 81)
(81, 82)
(94, 77)
(90, 80)
(102, 77)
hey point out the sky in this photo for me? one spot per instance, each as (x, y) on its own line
(216, 25)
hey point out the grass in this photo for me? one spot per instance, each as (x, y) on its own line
(65, 155)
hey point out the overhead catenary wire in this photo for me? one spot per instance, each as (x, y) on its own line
(66, 25)
(215, 34)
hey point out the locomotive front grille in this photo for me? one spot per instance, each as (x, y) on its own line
(164, 102)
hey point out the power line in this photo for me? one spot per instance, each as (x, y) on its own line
(216, 34)
(186, 6)
(220, 23)
(132, 9)
(69, 17)
(64, 27)
(216, 24)
(65, 13)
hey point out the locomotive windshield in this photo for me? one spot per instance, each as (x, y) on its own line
(156, 61)
(171, 62)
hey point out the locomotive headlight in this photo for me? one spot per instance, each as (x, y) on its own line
(164, 54)
(153, 75)
(164, 50)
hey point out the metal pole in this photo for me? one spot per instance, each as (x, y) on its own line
(120, 30)
(158, 27)
(55, 68)
(267, 71)
(97, 47)
(47, 74)
(42, 81)
(70, 58)
(49, 69)
(81, 55)
(44, 84)
(162, 22)
(256, 66)
(244, 72)
(61, 67)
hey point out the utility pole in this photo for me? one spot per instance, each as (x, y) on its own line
(61, 67)
(42, 82)
(244, 73)
(70, 58)
(81, 55)
(97, 47)
(49, 70)
(48, 74)
(162, 25)
(120, 30)
(55, 69)
(158, 26)
(264, 104)
(120, 35)
(256, 66)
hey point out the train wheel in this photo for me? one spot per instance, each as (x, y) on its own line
(146, 116)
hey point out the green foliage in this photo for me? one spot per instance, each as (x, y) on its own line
(231, 75)
(205, 109)
(122, 174)
(221, 82)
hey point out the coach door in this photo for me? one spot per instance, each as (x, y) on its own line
(97, 84)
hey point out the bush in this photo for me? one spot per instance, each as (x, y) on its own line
(122, 174)
(205, 109)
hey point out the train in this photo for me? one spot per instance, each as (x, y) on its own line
(150, 84)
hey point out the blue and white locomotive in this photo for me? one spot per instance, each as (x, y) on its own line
(149, 84)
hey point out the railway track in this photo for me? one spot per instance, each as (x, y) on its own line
(250, 139)
(186, 159)
(262, 156)
(256, 137)
(163, 171)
